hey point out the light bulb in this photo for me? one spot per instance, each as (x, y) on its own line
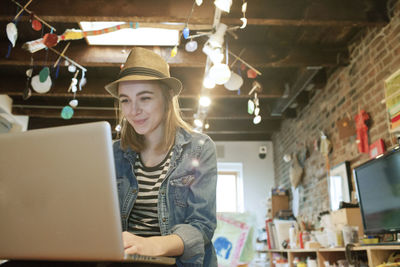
(198, 123)
(208, 82)
(224, 5)
(118, 128)
(220, 73)
(257, 119)
(207, 125)
(256, 111)
(205, 101)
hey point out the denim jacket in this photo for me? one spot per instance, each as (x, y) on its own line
(187, 196)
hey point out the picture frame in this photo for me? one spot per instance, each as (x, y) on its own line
(339, 185)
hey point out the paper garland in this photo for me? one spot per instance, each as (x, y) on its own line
(72, 34)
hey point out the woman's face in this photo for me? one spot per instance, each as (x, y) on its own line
(142, 105)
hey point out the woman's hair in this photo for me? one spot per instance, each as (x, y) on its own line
(172, 117)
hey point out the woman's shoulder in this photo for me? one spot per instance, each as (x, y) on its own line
(193, 136)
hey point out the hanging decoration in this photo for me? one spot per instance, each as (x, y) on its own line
(34, 16)
(67, 112)
(50, 40)
(362, 131)
(39, 86)
(72, 34)
(346, 127)
(191, 46)
(243, 19)
(325, 147)
(36, 25)
(253, 106)
(27, 91)
(12, 33)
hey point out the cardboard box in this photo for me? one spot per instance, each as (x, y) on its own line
(349, 216)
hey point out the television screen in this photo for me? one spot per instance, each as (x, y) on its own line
(378, 189)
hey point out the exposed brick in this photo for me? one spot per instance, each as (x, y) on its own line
(359, 85)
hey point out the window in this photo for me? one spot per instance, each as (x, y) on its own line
(230, 188)
(129, 36)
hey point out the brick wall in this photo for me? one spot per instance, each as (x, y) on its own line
(374, 56)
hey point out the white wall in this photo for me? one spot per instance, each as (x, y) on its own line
(258, 174)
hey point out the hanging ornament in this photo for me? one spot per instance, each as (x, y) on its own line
(72, 68)
(251, 74)
(244, 23)
(29, 72)
(174, 51)
(43, 74)
(191, 46)
(73, 103)
(27, 91)
(243, 19)
(257, 119)
(12, 33)
(67, 112)
(41, 87)
(234, 82)
(36, 25)
(362, 131)
(250, 106)
(242, 67)
(50, 39)
(220, 73)
(185, 32)
(82, 81)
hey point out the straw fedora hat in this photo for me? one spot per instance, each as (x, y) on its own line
(144, 65)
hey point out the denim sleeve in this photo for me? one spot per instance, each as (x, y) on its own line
(200, 223)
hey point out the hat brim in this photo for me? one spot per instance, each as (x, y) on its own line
(174, 84)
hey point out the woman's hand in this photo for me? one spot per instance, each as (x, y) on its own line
(170, 245)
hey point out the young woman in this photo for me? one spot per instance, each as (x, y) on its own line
(166, 173)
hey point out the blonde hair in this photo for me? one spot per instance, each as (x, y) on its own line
(172, 117)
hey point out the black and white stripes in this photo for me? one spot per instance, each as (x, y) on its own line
(143, 220)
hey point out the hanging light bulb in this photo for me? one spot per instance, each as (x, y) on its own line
(257, 119)
(214, 53)
(220, 73)
(206, 126)
(198, 123)
(118, 128)
(204, 101)
(217, 39)
(256, 111)
(208, 82)
(224, 5)
(199, 2)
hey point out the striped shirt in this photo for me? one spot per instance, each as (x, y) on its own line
(143, 220)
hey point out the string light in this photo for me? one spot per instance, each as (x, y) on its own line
(208, 82)
(224, 5)
(198, 123)
(205, 101)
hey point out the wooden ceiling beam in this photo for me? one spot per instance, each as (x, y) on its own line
(337, 13)
(14, 86)
(258, 56)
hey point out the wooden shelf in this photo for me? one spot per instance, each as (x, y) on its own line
(376, 255)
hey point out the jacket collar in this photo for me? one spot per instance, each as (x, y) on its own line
(182, 137)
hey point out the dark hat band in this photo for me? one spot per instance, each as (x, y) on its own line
(141, 71)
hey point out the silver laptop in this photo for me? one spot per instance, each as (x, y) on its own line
(58, 196)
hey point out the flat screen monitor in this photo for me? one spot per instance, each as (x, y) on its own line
(378, 189)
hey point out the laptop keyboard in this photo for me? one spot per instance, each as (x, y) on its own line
(150, 259)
